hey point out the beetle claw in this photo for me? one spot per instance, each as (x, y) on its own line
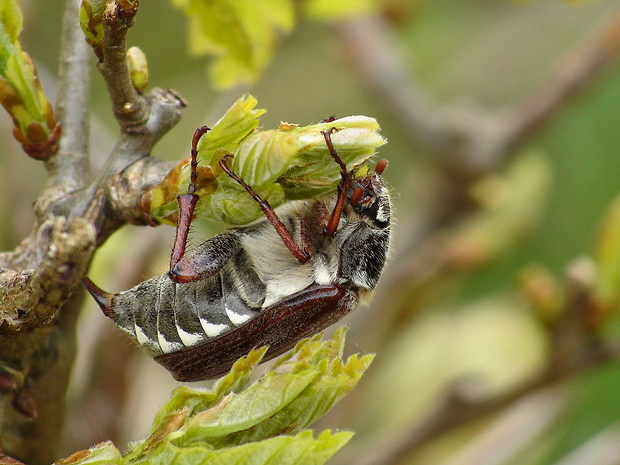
(103, 298)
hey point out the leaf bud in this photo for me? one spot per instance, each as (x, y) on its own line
(543, 292)
(138, 68)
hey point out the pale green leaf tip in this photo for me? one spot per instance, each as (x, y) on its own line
(11, 18)
(241, 368)
(104, 453)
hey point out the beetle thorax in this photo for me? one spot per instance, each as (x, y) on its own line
(281, 272)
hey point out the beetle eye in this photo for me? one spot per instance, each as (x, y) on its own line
(356, 196)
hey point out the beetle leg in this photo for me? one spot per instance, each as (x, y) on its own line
(187, 204)
(301, 253)
(332, 224)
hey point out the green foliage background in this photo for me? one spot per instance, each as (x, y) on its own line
(492, 53)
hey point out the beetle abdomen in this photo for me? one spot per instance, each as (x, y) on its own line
(165, 317)
(279, 326)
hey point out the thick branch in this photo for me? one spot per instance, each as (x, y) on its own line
(69, 168)
(31, 298)
(37, 338)
(57, 251)
(37, 322)
(35, 440)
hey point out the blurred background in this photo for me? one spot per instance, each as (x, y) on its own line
(502, 120)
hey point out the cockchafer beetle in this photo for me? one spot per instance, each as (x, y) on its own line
(273, 282)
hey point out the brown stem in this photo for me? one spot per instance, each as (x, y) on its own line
(574, 72)
(37, 337)
(472, 147)
(129, 107)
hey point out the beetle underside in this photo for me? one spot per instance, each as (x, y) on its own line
(270, 284)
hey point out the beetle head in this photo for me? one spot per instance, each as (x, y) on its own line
(362, 189)
(369, 196)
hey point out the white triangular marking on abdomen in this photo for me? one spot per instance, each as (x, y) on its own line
(212, 329)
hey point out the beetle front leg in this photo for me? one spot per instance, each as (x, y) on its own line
(187, 204)
(334, 220)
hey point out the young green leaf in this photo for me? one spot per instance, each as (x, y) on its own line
(91, 21)
(240, 120)
(233, 420)
(279, 450)
(35, 126)
(230, 205)
(195, 401)
(240, 33)
(312, 172)
(333, 379)
(263, 156)
(259, 424)
(287, 163)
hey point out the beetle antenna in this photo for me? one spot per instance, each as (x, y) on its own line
(187, 205)
(332, 224)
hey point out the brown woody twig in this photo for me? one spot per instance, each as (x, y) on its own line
(74, 213)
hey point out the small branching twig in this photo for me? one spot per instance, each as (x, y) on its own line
(74, 213)
(484, 140)
(69, 168)
(129, 107)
